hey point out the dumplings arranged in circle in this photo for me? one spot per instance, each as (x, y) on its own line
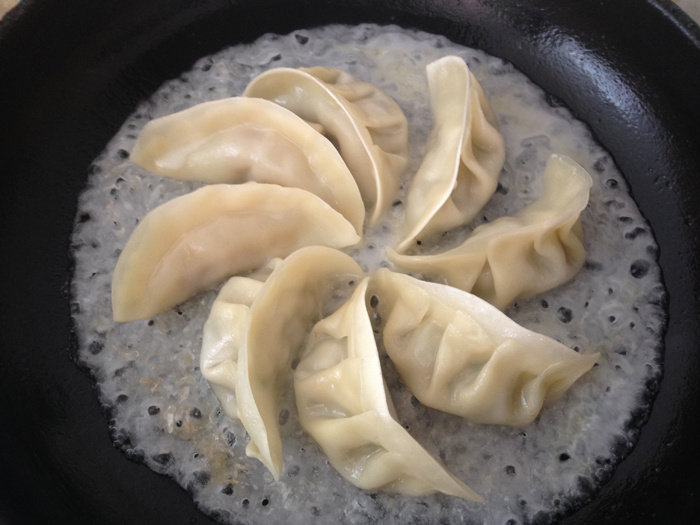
(297, 309)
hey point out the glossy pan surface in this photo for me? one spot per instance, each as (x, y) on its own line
(70, 72)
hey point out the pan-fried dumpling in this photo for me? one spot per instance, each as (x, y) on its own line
(195, 241)
(343, 404)
(459, 172)
(244, 139)
(294, 297)
(535, 250)
(368, 127)
(459, 354)
(225, 332)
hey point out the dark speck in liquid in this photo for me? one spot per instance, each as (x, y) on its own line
(564, 314)
(639, 268)
(631, 235)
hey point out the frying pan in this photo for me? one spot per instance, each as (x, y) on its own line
(70, 72)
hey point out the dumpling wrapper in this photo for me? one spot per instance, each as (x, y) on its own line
(368, 127)
(195, 241)
(459, 354)
(466, 152)
(291, 301)
(225, 332)
(243, 139)
(537, 249)
(343, 404)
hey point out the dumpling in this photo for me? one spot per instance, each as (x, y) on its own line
(459, 172)
(465, 155)
(248, 139)
(343, 404)
(225, 332)
(457, 353)
(535, 250)
(197, 240)
(368, 127)
(223, 335)
(294, 297)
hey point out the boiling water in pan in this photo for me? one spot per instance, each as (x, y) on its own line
(164, 413)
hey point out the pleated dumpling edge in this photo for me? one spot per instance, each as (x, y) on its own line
(465, 153)
(459, 354)
(519, 256)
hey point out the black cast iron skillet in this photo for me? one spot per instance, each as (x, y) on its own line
(70, 72)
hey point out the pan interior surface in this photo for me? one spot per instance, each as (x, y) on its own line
(645, 115)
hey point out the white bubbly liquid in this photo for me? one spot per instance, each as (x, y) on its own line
(164, 412)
